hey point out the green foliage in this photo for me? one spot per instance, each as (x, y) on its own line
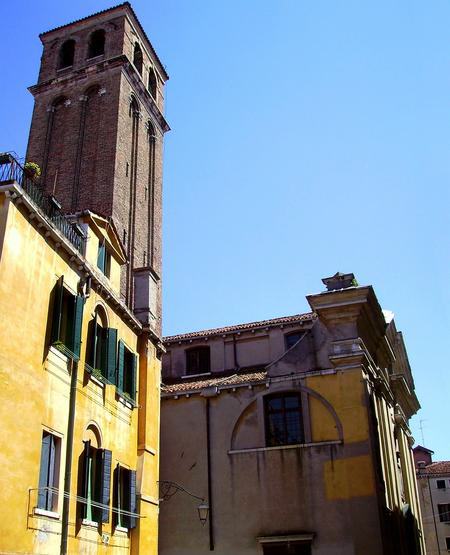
(32, 170)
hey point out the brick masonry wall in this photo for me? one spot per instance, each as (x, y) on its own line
(82, 136)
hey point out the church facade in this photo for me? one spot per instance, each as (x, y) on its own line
(295, 431)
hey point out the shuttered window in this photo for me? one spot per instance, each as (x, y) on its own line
(49, 472)
(101, 356)
(104, 259)
(124, 499)
(95, 483)
(126, 371)
(67, 320)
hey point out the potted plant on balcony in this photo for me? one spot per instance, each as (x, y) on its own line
(32, 171)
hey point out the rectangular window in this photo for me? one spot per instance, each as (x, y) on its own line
(49, 472)
(284, 423)
(124, 501)
(444, 512)
(95, 479)
(291, 339)
(101, 353)
(198, 360)
(104, 259)
(67, 320)
(440, 484)
(447, 543)
(126, 372)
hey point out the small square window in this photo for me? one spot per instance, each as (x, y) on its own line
(198, 361)
(440, 484)
(291, 339)
(444, 512)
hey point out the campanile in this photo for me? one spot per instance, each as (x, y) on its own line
(97, 132)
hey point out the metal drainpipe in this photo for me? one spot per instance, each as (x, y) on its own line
(207, 393)
(210, 501)
(68, 465)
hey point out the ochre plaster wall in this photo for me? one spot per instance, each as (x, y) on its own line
(35, 384)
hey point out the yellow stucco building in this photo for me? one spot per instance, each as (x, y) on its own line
(80, 298)
(295, 431)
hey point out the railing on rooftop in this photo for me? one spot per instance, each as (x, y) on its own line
(11, 170)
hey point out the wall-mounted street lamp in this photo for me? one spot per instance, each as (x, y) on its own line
(168, 489)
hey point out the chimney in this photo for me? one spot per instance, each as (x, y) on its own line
(340, 281)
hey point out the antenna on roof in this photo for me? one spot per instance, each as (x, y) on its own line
(421, 431)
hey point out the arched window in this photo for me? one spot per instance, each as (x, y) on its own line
(137, 58)
(134, 107)
(96, 43)
(283, 416)
(198, 361)
(66, 54)
(152, 82)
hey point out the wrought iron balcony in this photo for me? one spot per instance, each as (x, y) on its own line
(11, 171)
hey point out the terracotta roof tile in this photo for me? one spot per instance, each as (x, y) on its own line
(241, 327)
(438, 467)
(195, 384)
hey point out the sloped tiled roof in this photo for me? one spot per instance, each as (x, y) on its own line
(241, 327)
(195, 384)
(438, 467)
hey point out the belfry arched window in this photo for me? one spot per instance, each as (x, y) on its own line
(152, 82)
(96, 43)
(138, 58)
(66, 54)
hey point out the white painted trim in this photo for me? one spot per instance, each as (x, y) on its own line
(42, 512)
(121, 529)
(283, 447)
(90, 523)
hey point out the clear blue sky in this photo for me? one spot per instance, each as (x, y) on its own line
(307, 138)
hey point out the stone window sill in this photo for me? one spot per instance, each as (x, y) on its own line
(282, 447)
(89, 523)
(43, 512)
(121, 529)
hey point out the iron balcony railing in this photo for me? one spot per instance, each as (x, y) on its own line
(11, 170)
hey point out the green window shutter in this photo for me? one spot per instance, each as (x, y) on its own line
(44, 471)
(57, 310)
(112, 355)
(86, 477)
(105, 484)
(101, 256)
(133, 377)
(77, 325)
(133, 499)
(103, 351)
(120, 366)
(92, 341)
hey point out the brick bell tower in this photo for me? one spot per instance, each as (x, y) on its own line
(97, 133)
